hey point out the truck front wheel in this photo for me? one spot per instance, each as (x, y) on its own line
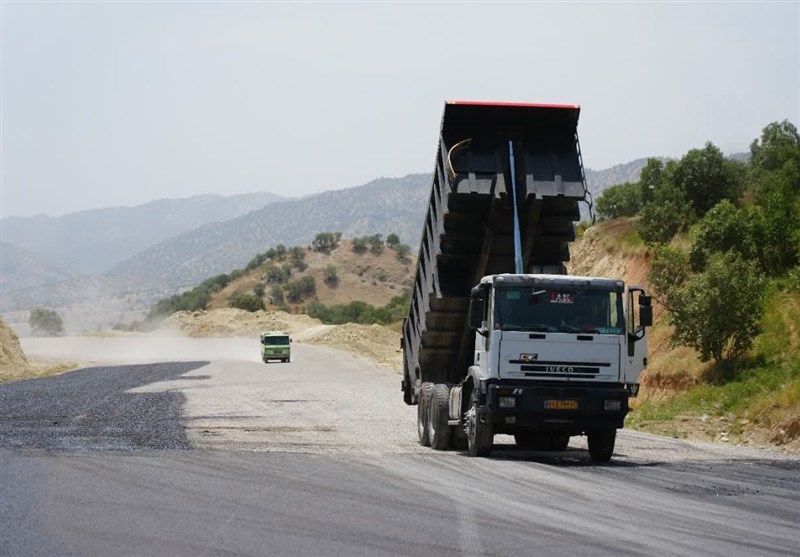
(601, 444)
(479, 434)
(422, 413)
(439, 433)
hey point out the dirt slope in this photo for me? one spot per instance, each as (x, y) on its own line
(13, 362)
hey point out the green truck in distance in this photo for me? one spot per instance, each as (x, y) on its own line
(275, 345)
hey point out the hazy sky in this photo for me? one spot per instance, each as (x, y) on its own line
(120, 103)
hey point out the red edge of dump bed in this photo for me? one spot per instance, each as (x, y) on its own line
(528, 105)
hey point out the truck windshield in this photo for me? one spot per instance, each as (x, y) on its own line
(566, 310)
(276, 341)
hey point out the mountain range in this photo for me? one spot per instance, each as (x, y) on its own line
(139, 254)
(91, 242)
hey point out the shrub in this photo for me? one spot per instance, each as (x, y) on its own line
(276, 274)
(360, 245)
(622, 200)
(403, 250)
(326, 241)
(259, 289)
(45, 322)
(331, 277)
(717, 312)
(248, 302)
(298, 289)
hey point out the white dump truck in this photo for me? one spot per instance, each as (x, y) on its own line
(498, 338)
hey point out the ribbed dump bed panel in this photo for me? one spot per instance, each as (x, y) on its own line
(469, 226)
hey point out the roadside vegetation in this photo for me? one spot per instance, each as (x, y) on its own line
(723, 240)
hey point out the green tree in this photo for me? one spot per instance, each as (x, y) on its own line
(297, 253)
(777, 231)
(247, 302)
(724, 228)
(276, 295)
(360, 245)
(330, 275)
(706, 177)
(392, 240)
(45, 322)
(778, 146)
(280, 252)
(403, 251)
(668, 213)
(669, 270)
(622, 200)
(717, 312)
(275, 274)
(259, 289)
(325, 242)
(650, 179)
(298, 289)
(375, 244)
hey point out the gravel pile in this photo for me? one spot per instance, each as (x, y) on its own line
(373, 342)
(230, 322)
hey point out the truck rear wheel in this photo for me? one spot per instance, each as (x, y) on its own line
(601, 444)
(479, 434)
(439, 433)
(422, 414)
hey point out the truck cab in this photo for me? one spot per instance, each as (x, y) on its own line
(275, 345)
(555, 356)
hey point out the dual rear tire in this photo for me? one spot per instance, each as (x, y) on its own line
(422, 414)
(439, 432)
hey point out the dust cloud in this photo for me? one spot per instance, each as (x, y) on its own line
(142, 349)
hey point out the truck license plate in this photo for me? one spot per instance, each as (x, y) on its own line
(560, 404)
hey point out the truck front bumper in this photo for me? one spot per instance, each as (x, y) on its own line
(555, 407)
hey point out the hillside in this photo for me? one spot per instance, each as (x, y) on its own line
(365, 277)
(382, 206)
(684, 397)
(23, 269)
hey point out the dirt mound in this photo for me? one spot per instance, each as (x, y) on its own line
(231, 322)
(373, 342)
(13, 362)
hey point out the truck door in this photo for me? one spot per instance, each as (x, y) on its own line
(636, 337)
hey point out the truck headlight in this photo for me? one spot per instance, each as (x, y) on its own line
(612, 405)
(507, 402)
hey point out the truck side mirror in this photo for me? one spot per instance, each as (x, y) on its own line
(476, 313)
(476, 308)
(646, 316)
(645, 311)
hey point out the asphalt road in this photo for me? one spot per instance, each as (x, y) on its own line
(319, 457)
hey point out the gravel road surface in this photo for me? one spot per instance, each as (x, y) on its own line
(195, 447)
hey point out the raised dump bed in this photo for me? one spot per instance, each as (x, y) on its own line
(469, 226)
